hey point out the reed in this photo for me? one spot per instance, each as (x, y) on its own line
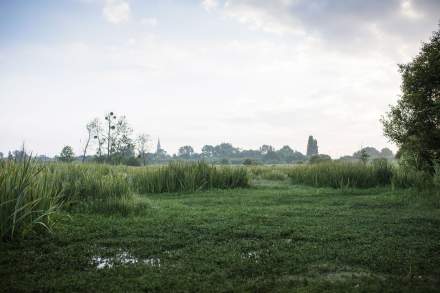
(186, 177)
(29, 198)
(343, 175)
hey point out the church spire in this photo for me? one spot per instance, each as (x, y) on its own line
(159, 148)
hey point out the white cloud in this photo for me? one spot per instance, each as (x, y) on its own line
(210, 4)
(116, 11)
(150, 21)
(345, 25)
(408, 10)
(260, 18)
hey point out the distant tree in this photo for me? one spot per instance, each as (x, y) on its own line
(369, 152)
(132, 161)
(142, 146)
(414, 123)
(312, 146)
(316, 159)
(110, 127)
(364, 156)
(19, 155)
(90, 127)
(98, 135)
(253, 154)
(1, 156)
(288, 155)
(208, 151)
(271, 157)
(122, 142)
(249, 162)
(346, 159)
(67, 154)
(10, 156)
(386, 153)
(225, 150)
(186, 152)
(265, 149)
(285, 152)
(224, 161)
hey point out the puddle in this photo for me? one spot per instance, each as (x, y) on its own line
(251, 255)
(123, 258)
(102, 262)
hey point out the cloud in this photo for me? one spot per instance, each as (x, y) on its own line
(210, 4)
(116, 11)
(344, 24)
(150, 21)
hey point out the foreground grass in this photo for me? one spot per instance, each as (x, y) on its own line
(272, 237)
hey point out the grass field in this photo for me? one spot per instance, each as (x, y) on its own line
(273, 236)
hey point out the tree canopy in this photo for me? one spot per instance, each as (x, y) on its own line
(67, 154)
(414, 122)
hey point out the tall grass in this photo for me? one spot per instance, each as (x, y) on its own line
(29, 198)
(266, 172)
(343, 175)
(91, 181)
(31, 193)
(186, 177)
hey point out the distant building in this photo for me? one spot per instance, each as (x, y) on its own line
(158, 148)
(312, 146)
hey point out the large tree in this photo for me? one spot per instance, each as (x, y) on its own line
(414, 123)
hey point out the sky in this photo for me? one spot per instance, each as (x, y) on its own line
(196, 72)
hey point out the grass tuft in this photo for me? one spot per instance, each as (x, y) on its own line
(29, 198)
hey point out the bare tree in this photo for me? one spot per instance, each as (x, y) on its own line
(89, 127)
(97, 131)
(142, 146)
(110, 117)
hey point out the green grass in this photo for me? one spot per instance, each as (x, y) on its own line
(94, 181)
(29, 199)
(273, 237)
(186, 177)
(31, 193)
(343, 175)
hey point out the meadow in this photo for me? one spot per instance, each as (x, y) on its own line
(337, 227)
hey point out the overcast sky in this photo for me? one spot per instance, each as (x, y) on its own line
(248, 72)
